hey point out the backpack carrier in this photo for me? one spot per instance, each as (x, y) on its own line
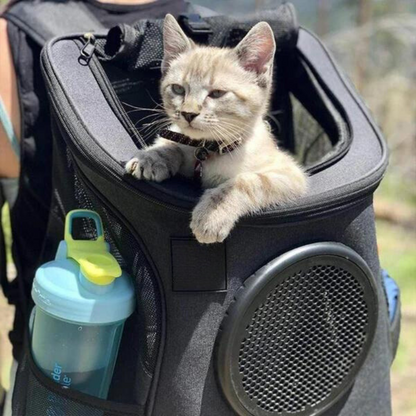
(289, 315)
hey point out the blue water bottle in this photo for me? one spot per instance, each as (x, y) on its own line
(82, 300)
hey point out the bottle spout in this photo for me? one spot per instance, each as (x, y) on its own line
(97, 265)
(99, 268)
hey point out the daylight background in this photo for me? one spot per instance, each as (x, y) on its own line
(375, 43)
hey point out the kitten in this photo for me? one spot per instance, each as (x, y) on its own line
(221, 95)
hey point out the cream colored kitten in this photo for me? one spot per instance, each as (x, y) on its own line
(221, 94)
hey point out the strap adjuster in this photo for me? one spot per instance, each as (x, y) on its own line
(195, 25)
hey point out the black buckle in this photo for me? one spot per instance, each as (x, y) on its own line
(195, 25)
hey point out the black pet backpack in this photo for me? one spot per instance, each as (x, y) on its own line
(289, 315)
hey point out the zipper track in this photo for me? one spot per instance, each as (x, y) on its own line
(113, 173)
(111, 96)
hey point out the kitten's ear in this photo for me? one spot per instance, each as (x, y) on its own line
(175, 41)
(256, 50)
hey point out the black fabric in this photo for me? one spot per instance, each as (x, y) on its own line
(43, 20)
(30, 213)
(206, 262)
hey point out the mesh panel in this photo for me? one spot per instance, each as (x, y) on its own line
(311, 141)
(139, 349)
(303, 340)
(130, 257)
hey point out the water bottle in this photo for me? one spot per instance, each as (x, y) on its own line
(82, 300)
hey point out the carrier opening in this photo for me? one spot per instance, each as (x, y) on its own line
(314, 115)
(305, 118)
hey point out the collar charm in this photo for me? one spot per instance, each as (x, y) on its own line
(201, 154)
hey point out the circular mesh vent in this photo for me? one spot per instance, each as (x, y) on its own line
(311, 326)
(298, 332)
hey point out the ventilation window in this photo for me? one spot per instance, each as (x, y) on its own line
(298, 332)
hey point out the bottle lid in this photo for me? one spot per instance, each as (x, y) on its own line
(97, 264)
(84, 284)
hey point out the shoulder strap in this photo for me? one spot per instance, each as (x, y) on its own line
(43, 20)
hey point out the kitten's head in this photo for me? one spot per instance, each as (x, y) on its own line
(216, 93)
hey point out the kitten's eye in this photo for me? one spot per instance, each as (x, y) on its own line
(217, 93)
(178, 89)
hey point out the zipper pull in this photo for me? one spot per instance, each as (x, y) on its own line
(88, 50)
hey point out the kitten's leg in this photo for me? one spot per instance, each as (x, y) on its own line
(156, 163)
(220, 208)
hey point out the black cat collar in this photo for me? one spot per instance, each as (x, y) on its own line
(203, 146)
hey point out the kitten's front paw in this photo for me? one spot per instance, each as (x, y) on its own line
(148, 165)
(210, 222)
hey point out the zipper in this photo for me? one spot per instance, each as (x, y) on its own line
(114, 173)
(87, 52)
(87, 55)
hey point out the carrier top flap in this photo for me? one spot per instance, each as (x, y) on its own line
(141, 46)
(43, 20)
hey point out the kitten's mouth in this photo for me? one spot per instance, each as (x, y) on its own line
(194, 132)
(192, 128)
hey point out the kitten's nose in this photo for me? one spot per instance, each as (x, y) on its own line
(189, 116)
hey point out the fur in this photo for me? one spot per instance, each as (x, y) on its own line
(228, 93)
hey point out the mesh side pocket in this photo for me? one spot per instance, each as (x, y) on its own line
(125, 249)
(36, 395)
(139, 350)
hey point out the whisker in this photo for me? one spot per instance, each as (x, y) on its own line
(239, 125)
(138, 122)
(154, 126)
(233, 131)
(154, 116)
(234, 134)
(217, 134)
(153, 130)
(150, 110)
(155, 102)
